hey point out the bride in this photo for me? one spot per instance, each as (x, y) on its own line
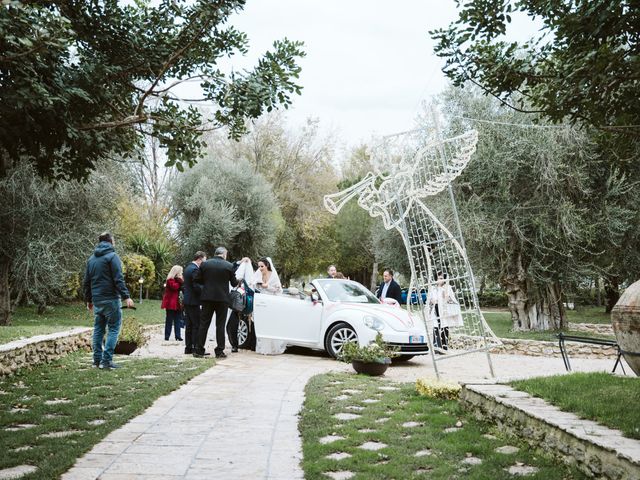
(267, 281)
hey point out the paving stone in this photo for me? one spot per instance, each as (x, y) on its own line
(388, 388)
(451, 430)
(97, 422)
(338, 456)
(346, 416)
(357, 408)
(17, 472)
(57, 401)
(366, 430)
(149, 377)
(507, 449)
(63, 433)
(373, 446)
(521, 470)
(423, 453)
(22, 449)
(458, 424)
(488, 436)
(370, 400)
(330, 439)
(54, 415)
(472, 461)
(341, 475)
(351, 391)
(412, 424)
(19, 426)
(342, 397)
(18, 410)
(422, 471)
(382, 420)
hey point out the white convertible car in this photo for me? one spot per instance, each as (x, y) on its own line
(338, 311)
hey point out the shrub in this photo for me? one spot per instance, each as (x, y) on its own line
(132, 331)
(493, 298)
(437, 389)
(376, 352)
(135, 266)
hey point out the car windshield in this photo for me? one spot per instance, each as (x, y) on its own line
(347, 291)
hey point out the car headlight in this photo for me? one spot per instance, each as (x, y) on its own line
(373, 322)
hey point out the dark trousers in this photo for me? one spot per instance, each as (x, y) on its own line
(206, 314)
(192, 321)
(440, 334)
(232, 328)
(172, 320)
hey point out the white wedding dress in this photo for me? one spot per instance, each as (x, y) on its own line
(269, 346)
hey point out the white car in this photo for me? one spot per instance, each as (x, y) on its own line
(338, 311)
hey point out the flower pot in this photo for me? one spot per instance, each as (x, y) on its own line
(625, 319)
(125, 348)
(369, 368)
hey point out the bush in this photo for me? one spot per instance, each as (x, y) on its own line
(493, 298)
(132, 331)
(436, 389)
(376, 352)
(135, 266)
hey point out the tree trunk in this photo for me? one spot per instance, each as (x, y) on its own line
(5, 291)
(482, 285)
(611, 292)
(374, 276)
(598, 293)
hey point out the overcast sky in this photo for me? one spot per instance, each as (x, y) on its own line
(369, 63)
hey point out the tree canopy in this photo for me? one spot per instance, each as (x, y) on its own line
(82, 80)
(583, 65)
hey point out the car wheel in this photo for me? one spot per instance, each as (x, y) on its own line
(402, 358)
(246, 334)
(337, 336)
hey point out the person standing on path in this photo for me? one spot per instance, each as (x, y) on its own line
(171, 302)
(104, 290)
(192, 291)
(389, 288)
(215, 275)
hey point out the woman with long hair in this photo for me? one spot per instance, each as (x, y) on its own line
(266, 277)
(171, 302)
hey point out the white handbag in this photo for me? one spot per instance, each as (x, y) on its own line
(452, 315)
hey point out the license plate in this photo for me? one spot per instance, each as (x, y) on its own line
(416, 338)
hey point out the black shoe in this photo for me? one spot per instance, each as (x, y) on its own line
(207, 354)
(198, 355)
(179, 339)
(188, 351)
(234, 350)
(108, 366)
(221, 355)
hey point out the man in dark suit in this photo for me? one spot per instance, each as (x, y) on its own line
(215, 275)
(389, 288)
(192, 290)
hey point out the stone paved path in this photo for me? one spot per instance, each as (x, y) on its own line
(239, 419)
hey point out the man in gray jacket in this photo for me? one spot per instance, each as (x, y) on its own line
(104, 290)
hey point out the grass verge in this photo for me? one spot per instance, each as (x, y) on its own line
(500, 323)
(602, 397)
(27, 323)
(423, 449)
(86, 403)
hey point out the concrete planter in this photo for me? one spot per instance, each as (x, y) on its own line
(625, 318)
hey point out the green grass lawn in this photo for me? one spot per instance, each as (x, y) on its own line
(422, 449)
(27, 323)
(589, 315)
(602, 397)
(95, 402)
(500, 323)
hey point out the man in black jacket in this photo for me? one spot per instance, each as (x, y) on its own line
(389, 288)
(215, 275)
(104, 290)
(192, 291)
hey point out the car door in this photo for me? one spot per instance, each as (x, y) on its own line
(289, 318)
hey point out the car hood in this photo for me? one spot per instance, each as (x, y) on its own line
(396, 317)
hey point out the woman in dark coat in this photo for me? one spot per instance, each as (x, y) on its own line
(171, 302)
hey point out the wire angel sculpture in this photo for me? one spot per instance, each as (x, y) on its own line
(398, 196)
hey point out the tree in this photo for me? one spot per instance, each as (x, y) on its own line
(220, 203)
(582, 65)
(83, 80)
(48, 232)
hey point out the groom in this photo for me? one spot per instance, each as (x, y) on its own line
(215, 275)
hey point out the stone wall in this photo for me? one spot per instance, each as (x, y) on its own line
(535, 348)
(597, 328)
(594, 449)
(42, 349)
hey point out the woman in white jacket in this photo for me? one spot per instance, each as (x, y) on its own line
(444, 311)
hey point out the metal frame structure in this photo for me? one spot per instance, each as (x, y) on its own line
(411, 168)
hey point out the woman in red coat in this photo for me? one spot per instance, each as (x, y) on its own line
(171, 302)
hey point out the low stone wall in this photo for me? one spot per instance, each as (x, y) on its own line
(42, 349)
(535, 348)
(596, 450)
(597, 328)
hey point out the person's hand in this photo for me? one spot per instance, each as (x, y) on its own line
(129, 303)
(245, 260)
(89, 306)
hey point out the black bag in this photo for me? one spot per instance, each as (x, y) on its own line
(237, 300)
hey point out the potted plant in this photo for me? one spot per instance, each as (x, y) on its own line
(373, 359)
(131, 337)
